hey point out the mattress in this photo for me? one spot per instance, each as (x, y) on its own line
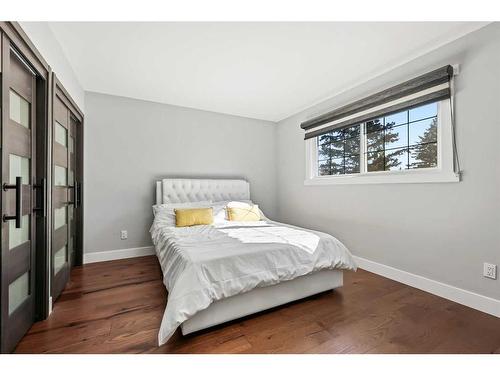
(204, 264)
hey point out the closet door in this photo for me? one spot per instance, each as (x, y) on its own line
(67, 172)
(61, 263)
(74, 191)
(18, 183)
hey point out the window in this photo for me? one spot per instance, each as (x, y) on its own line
(404, 140)
(412, 145)
(339, 151)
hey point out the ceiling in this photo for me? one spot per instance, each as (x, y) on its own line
(266, 71)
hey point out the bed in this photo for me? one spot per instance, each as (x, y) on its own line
(229, 270)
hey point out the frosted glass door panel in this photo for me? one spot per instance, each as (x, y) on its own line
(60, 217)
(19, 109)
(18, 236)
(19, 290)
(19, 166)
(60, 176)
(61, 134)
(60, 259)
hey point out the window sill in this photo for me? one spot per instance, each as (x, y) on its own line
(404, 177)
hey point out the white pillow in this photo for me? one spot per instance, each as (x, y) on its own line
(165, 213)
(220, 213)
(219, 210)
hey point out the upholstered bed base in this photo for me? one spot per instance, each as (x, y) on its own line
(260, 299)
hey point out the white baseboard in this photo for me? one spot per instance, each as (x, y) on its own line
(102, 256)
(476, 301)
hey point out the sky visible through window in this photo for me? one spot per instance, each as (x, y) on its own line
(404, 140)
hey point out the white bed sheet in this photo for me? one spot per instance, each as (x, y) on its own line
(203, 264)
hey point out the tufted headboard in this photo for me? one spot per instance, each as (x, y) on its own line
(180, 190)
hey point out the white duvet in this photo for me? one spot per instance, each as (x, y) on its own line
(206, 263)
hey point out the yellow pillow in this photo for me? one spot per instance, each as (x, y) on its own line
(187, 217)
(250, 213)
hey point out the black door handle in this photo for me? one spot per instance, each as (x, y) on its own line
(43, 188)
(79, 200)
(78, 192)
(75, 190)
(19, 201)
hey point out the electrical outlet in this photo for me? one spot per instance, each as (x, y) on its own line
(123, 235)
(490, 271)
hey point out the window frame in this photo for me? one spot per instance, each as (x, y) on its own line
(444, 171)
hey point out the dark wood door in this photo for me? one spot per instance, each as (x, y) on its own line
(66, 195)
(61, 199)
(18, 183)
(74, 192)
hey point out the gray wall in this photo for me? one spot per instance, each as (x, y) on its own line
(129, 143)
(441, 231)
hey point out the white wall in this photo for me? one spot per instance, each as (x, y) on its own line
(42, 37)
(441, 231)
(130, 143)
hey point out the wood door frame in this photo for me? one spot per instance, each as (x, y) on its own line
(60, 92)
(25, 49)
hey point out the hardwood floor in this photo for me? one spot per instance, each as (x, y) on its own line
(117, 306)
